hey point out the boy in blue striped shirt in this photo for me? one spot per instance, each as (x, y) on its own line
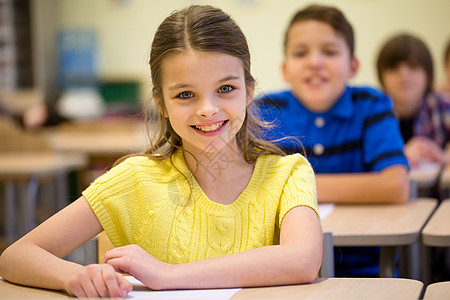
(349, 134)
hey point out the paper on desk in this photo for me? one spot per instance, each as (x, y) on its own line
(325, 210)
(213, 294)
(427, 166)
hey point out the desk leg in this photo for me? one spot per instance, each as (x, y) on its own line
(9, 212)
(387, 261)
(28, 202)
(409, 261)
(425, 261)
(62, 190)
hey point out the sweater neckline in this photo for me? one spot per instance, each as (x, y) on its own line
(215, 208)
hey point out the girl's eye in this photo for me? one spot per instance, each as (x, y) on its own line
(185, 95)
(225, 89)
(299, 53)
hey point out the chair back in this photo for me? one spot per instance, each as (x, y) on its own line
(327, 268)
(103, 245)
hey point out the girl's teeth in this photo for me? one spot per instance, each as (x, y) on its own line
(210, 127)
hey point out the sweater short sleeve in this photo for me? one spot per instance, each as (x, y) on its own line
(105, 196)
(300, 188)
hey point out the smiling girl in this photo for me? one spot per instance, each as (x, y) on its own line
(208, 205)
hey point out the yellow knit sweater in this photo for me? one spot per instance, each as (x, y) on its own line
(149, 203)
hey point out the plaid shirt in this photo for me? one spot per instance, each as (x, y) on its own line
(433, 120)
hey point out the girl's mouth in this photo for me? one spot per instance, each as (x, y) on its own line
(210, 128)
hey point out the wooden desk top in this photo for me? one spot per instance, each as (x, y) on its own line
(321, 288)
(378, 224)
(437, 231)
(437, 291)
(100, 138)
(25, 164)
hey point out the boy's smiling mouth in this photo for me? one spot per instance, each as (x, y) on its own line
(315, 80)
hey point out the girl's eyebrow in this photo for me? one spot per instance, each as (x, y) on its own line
(186, 85)
(179, 86)
(230, 77)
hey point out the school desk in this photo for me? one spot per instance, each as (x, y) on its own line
(101, 138)
(102, 141)
(21, 172)
(387, 225)
(437, 231)
(437, 291)
(321, 288)
(436, 234)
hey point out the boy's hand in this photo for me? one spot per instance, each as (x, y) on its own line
(134, 260)
(96, 281)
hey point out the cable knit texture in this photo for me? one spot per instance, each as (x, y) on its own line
(149, 203)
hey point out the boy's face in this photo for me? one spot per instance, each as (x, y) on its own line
(406, 85)
(317, 64)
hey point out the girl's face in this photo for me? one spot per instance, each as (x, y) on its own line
(205, 99)
(317, 64)
(406, 85)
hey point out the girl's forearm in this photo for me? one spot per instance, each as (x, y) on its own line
(28, 264)
(270, 265)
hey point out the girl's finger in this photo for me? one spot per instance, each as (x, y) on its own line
(118, 266)
(124, 284)
(89, 289)
(100, 285)
(113, 253)
(112, 284)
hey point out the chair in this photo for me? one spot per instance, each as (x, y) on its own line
(327, 268)
(103, 245)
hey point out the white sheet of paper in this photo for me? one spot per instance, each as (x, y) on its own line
(427, 166)
(325, 210)
(212, 294)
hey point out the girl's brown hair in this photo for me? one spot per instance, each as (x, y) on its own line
(405, 48)
(201, 28)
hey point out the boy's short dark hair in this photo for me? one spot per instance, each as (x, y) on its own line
(405, 48)
(326, 14)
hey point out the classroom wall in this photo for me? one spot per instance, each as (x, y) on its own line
(125, 29)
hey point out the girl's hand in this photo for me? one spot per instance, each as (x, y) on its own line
(420, 149)
(96, 281)
(134, 260)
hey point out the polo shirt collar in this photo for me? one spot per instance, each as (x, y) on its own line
(344, 107)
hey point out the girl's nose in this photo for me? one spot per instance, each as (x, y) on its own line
(403, 69)
(207, 107)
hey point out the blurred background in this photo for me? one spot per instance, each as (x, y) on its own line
(54, 45)
(74, 74)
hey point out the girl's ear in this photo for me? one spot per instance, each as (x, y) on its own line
(250, 94)
(160, 105)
